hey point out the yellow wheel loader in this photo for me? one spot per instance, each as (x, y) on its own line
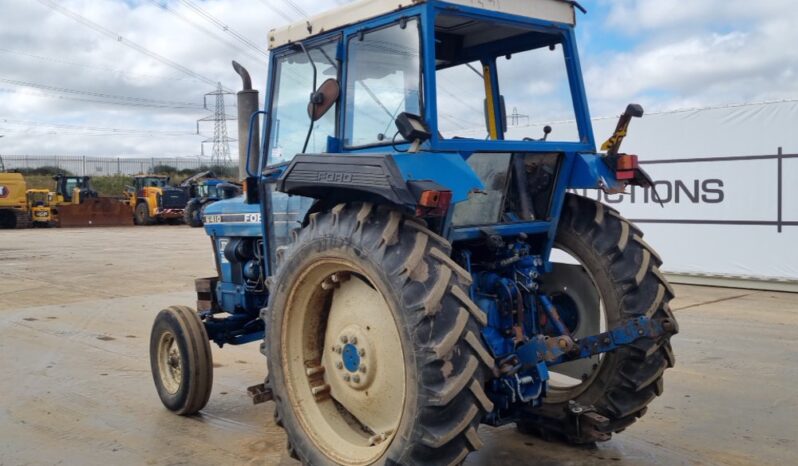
(154, 200)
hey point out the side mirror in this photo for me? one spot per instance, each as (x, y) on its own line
(323, 99)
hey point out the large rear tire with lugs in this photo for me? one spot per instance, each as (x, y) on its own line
(624, 272)
(373, 343)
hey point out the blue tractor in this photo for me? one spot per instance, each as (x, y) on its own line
(409, 255)
(203, 192)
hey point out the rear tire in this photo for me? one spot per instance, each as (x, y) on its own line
(343, 258)
(180, 360)
(626, 274)
(193, 214)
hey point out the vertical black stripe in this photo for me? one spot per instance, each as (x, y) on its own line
(779, 188)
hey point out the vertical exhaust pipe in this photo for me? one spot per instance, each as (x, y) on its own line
(247, 105)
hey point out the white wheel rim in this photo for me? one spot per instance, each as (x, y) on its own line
(345, 374)
(170, 366)
(563, 387)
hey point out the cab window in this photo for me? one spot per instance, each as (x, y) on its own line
(461, 101)
(289, 115)
(383, 80)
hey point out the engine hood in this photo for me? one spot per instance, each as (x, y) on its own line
(232, 217)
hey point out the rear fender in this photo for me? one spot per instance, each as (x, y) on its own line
(589, 171)
(382, 178)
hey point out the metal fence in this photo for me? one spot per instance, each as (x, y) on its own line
(103, 166)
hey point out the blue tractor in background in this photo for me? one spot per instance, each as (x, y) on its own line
(202, 193)
(411, 259)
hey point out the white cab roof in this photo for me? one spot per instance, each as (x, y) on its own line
(550, 10)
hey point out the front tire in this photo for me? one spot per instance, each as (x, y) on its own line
(142, 214)
(192, 216)
(180, 360)
(624, 271)
(373, 343)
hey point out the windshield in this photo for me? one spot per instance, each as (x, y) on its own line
(383, 80)
(71, 184)
(289, 118)
(530, 68)
(152, 182)
(38, 198)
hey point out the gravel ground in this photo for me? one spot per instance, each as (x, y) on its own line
(76, 306)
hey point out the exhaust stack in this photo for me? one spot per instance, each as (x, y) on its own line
(247, 105)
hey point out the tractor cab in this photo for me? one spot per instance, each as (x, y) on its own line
(73, 189)
(39, 197)
(40, 206)
(435, 97)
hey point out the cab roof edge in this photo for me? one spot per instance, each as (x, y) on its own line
(560, 11)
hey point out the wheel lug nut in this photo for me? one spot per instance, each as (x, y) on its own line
(363, 368)
(361, 352)
(344, 339)
(346, 378)
(353, 340)
(356, 379)
(339, 365)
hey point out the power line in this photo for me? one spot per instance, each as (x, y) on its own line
(224, 27)
(165, 7)
(278, 11)
(39, 124)
(115, 36)
(125, 99)
(94, 67)
(296, 8)
(79, 99)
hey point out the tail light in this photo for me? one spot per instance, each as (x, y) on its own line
(432, 203)
(625, 166)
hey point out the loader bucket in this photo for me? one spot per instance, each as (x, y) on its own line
(95, 212)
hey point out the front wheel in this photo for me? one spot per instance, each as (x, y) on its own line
(604, 274)
(373, 347)
(192, 216)
(141, 216)
(180, 360)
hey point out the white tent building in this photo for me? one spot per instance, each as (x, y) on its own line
(728, 177)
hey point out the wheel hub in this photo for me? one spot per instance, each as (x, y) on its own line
(351, 358)
(355, 360)
(171, 372)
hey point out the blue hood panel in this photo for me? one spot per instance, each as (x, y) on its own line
(232, 217)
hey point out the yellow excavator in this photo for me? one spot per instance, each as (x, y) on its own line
(13, 204)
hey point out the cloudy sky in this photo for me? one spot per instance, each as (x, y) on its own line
(114, 77)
